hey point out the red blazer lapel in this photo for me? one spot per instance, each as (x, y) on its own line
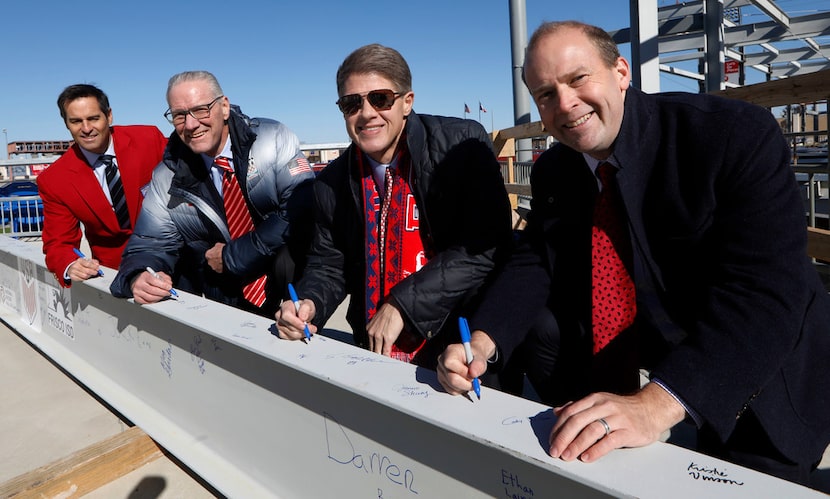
(82, 178)
(130, 158)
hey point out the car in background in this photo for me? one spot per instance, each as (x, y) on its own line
(21, 209)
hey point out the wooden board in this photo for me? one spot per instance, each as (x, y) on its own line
(87, 469)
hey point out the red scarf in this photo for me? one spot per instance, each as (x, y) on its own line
(397, 253)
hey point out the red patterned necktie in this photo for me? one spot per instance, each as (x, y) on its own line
(384, 218)
(239, 223)
(613, 301)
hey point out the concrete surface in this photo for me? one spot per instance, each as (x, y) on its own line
(46, 416)
(39, 405)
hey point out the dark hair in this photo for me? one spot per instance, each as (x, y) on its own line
(605, 45)
(78, 91)
(376, 58)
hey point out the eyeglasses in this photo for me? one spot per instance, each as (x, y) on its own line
(198, 112)
(381, 100)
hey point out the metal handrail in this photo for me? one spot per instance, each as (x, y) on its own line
(21, 216)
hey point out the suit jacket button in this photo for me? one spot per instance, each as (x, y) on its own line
(742, 411)
(550, 200)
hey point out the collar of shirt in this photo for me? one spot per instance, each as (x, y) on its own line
(226, 152)
(379, 173)
(98, 167)
(213, 171)
(92, 158)
(593, 163)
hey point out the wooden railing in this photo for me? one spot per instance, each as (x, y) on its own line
(504, 143)
(800, 89)
(818, 243)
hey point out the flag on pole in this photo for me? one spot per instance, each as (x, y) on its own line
(480, 107)
(466, 108)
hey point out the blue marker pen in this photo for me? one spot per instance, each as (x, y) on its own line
(157, 276)
(296, 301)
(81, 255)
(465, 340)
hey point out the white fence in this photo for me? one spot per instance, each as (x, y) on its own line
(21, 216)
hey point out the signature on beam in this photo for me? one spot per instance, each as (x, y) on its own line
(412, 391)
(713, 474)
(374, 464)
(513, 420)
(352, 359)
(167, 360)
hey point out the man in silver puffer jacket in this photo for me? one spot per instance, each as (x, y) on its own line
(183, 233)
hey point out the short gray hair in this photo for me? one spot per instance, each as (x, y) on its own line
(184, 76)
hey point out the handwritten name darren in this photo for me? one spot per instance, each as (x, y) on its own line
(342, 451)
(710, 474)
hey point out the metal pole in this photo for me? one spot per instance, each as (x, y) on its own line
(645, 59)
(6, 136)
(521, 98)
(713, 44)
(827, 166)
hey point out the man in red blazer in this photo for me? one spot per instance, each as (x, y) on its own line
(76, 189)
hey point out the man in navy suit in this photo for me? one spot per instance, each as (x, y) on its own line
(731, 318)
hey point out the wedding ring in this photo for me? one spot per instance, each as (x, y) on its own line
(604, 424)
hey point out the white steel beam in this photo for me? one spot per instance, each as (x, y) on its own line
(645, 58)
(692, 75)
(256, 416)
(769, 8)
(801, 69)
(812, 43)
(753, 34)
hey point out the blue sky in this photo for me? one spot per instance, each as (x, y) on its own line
(274, 58)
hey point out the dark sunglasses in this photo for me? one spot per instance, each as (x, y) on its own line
(381, 100)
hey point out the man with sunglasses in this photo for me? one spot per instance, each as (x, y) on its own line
(227, 210)
(410, 220)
